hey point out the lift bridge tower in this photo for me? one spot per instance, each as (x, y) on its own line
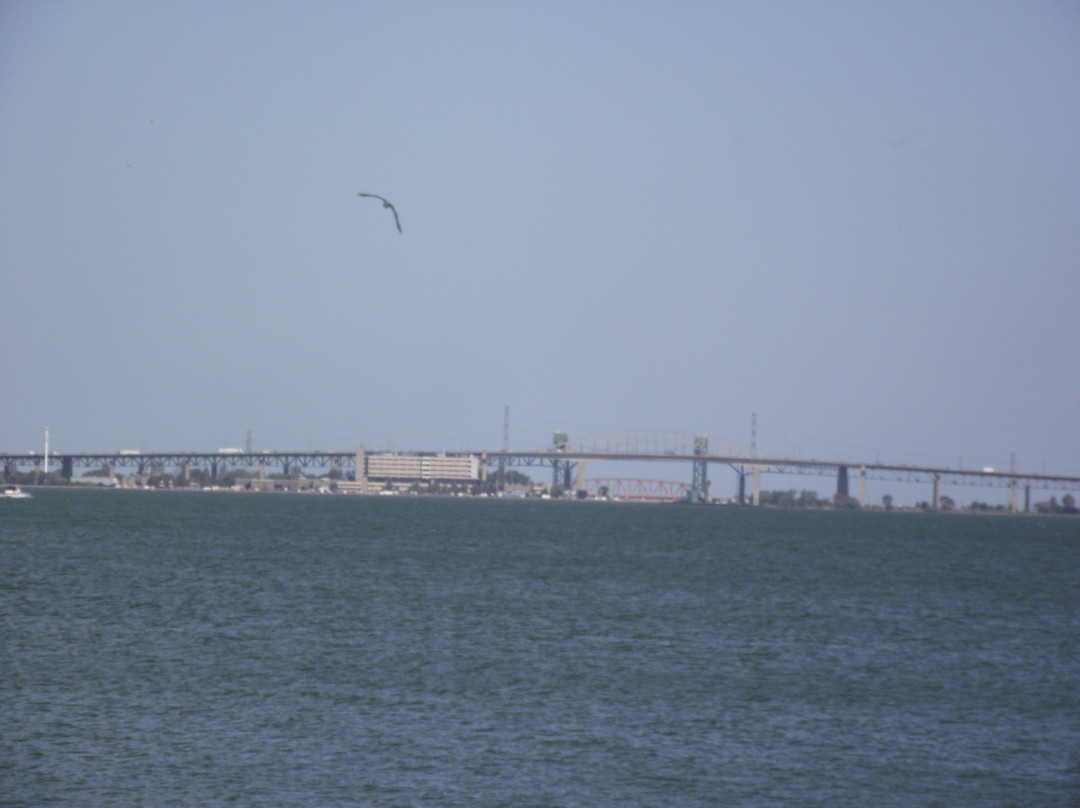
(560, 469)
(699, 490)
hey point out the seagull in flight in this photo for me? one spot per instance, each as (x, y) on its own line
(385, 204)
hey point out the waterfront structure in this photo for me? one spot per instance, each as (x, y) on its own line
(370, 472)
(424, 468)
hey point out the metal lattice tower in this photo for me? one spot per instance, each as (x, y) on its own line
(560, 469)
(698, 491)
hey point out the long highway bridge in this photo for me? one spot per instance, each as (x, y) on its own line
(567, 461)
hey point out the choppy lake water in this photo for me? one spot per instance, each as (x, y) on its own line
(212, 649)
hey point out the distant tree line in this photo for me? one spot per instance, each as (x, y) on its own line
(806, 499)
(1067, 505)
(510, 477)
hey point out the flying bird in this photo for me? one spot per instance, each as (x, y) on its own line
(385, 204)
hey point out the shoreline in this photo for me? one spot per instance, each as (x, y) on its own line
(547, 498)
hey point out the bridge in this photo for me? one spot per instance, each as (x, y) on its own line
(568, 461)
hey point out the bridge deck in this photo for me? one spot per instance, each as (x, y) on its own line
(543, 457)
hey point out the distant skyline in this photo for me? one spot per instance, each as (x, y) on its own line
(857, 221)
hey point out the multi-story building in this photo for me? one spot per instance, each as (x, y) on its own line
(422, 467)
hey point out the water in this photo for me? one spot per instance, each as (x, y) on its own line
(212, 649)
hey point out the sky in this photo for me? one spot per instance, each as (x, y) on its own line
(859, 222)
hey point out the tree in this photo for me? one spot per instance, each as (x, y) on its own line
(947, 503)
(846, 503)
(510, 477)
(513, 477)
(886, 502)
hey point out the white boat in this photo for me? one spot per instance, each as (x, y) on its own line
(14, 492)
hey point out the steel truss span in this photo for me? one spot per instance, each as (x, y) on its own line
(637, 490)
(824, 468)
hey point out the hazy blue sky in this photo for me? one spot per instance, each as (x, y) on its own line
(859, 220)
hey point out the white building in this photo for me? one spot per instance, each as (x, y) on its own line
(423, 467)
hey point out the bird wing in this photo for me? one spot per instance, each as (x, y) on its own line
(386, 204)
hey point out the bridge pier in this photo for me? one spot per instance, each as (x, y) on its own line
(862, 486)
(579, 478)
(937, 492)
(757, 487)
(66, 468)
(560, 474)
(841, 482)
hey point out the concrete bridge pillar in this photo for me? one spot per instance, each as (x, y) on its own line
(862, 486)
(757, 486)
(579, 478)
(66, 468)
(841, 482)
(361, 468)
(937, 492)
